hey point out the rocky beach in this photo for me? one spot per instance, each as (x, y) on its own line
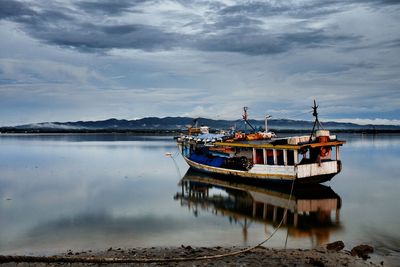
(201, 256)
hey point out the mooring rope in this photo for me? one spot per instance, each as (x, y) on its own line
(173, 156)
(99, 260)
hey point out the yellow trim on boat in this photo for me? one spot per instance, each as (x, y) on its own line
(333, 143)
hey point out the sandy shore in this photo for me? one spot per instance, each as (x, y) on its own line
(143, 257)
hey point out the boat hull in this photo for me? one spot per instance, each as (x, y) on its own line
(267, 177)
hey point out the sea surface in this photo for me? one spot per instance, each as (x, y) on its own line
(93, 192)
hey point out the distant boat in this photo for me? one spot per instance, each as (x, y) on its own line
(314, 158)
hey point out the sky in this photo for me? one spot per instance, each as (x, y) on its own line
(65, 60)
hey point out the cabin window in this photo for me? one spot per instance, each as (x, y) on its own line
(279, 157)
(259, 157)
(270, 157)
(290, 157)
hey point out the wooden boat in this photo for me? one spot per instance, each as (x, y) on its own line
(306, 159)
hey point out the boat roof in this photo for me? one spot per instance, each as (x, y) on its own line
(288, 143)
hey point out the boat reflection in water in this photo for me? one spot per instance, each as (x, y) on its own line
(314, 211)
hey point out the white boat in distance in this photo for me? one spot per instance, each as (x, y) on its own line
(314, 158)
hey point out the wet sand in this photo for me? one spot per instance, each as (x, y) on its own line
(259, 256)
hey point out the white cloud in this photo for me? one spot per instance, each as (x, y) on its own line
(45, 71)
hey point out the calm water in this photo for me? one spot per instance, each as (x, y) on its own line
(95, 192)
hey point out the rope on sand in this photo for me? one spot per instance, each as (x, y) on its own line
(55, 259)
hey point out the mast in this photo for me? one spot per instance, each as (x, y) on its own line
(245, 113)
(245, 116)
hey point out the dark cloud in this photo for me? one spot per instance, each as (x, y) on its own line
(110, 7)
(46, 18)
(363, 65)
(89, 37)
(256, 42)
(244, 40)
(305, 10)
(237, 28)
(12, 9)
(393, 43)
(387, 44)
(319, 38)
(30, 18)
(235, 21)
(259, 9)
(265, 9)
(64, 29)
(380, 2)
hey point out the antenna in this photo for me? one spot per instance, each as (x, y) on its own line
(315, 111)
(316, 121)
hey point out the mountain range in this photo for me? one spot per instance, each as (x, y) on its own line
(181, 123)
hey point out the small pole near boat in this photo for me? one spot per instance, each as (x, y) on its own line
(178, 171)
(266, 122)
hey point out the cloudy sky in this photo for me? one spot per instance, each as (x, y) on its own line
(89, 60)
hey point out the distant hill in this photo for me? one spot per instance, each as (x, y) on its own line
(180, 123)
